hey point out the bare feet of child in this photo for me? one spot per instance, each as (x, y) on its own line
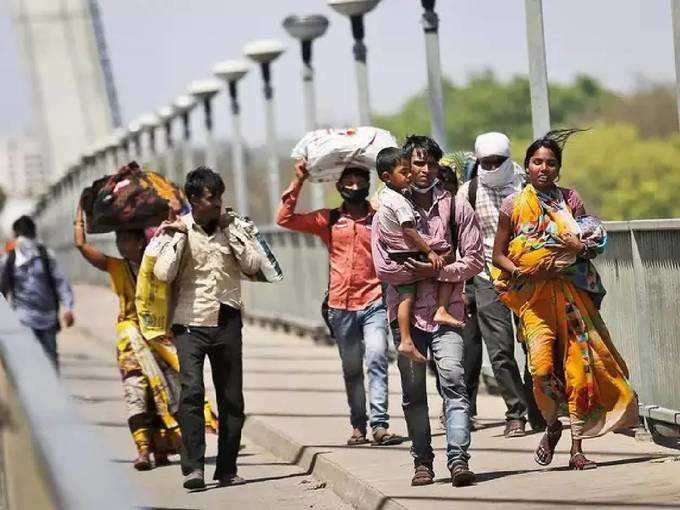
(442, 316)
(408, 348)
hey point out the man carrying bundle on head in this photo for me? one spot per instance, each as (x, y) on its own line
(357, 313)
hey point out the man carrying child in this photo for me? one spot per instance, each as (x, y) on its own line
(397, 232)
(435, 214)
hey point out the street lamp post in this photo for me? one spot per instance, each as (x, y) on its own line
(123, 145)
(675, 15)
(231, 71)
(204, 91)
(166, 114)
(100, 159)
(183, 105)
(434, 73)
(306, 29)
(264, 52)
(86, 161)
(356, 9)
(538, 72)
(111, 148)
(149, 122)
(134, 134)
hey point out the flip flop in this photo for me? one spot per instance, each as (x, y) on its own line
(579, 462)
(546, 448)
(357, 439)
(383, 437)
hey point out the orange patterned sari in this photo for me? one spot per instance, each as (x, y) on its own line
(575, 367)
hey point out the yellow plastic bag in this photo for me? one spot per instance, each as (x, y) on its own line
(152, 297)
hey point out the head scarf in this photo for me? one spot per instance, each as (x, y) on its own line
(494, 144)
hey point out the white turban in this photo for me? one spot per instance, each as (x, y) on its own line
(492, 144)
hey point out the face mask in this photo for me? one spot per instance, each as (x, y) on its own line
(424, 190)
(498, 177)
(354, 196)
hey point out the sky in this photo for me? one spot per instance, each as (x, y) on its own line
(158, 46)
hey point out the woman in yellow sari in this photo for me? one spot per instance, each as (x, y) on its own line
(149, 368)
(548, 281)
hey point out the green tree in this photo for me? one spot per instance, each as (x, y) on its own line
(619, 174)
(651, 108)
(486, 104)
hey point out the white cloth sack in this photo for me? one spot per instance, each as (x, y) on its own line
(329, 151)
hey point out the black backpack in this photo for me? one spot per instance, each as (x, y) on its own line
(333, 217)
(7, 278)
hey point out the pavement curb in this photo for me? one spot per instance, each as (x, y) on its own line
(316, 462)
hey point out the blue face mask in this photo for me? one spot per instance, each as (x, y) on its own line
(424, 190)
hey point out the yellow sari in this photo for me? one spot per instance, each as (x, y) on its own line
(576, 369)
(149, 370)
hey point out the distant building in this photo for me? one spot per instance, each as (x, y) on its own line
(22, 167)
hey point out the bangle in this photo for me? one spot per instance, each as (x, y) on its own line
(516, 273)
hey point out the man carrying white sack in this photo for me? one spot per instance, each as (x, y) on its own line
(356, 312)
(497, 177)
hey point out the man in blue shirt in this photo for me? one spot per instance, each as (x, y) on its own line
(35, 286)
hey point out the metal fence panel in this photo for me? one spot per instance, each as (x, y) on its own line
(640, 270)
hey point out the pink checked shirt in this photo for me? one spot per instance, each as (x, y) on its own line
(434, 222)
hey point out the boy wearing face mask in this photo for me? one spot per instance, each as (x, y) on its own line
(497, 177)
(356, 310)
(398, 233)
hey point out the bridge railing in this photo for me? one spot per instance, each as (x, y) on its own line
(48, 456)
(640, 270)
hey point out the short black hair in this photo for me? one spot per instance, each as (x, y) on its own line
(421, 142)
(200, 179)
(24, 227)
(387, 160)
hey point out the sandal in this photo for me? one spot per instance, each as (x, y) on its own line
(546, 448)
(383, 437)
(358, 437)
(579, 462)
(423, 476)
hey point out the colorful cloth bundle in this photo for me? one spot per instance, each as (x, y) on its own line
(131, 198)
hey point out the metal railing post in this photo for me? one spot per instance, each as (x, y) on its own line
(538, 71)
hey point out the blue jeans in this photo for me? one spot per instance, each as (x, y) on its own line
(362, 337)
(447, 349)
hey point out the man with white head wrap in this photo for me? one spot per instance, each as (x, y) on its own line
(497, 177)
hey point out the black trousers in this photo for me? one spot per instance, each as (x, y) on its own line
(223, 346)
(491, 321)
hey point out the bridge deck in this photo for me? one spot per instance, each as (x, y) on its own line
(297, 411)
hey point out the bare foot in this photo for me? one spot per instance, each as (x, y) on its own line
(442, 316)
(409, 350)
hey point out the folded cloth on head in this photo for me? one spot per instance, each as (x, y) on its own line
(131, 198)
(329, 151)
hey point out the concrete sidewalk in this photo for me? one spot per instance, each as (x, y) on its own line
(89, 371)
(297, 410)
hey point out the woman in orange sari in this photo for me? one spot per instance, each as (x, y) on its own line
(548, 281)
